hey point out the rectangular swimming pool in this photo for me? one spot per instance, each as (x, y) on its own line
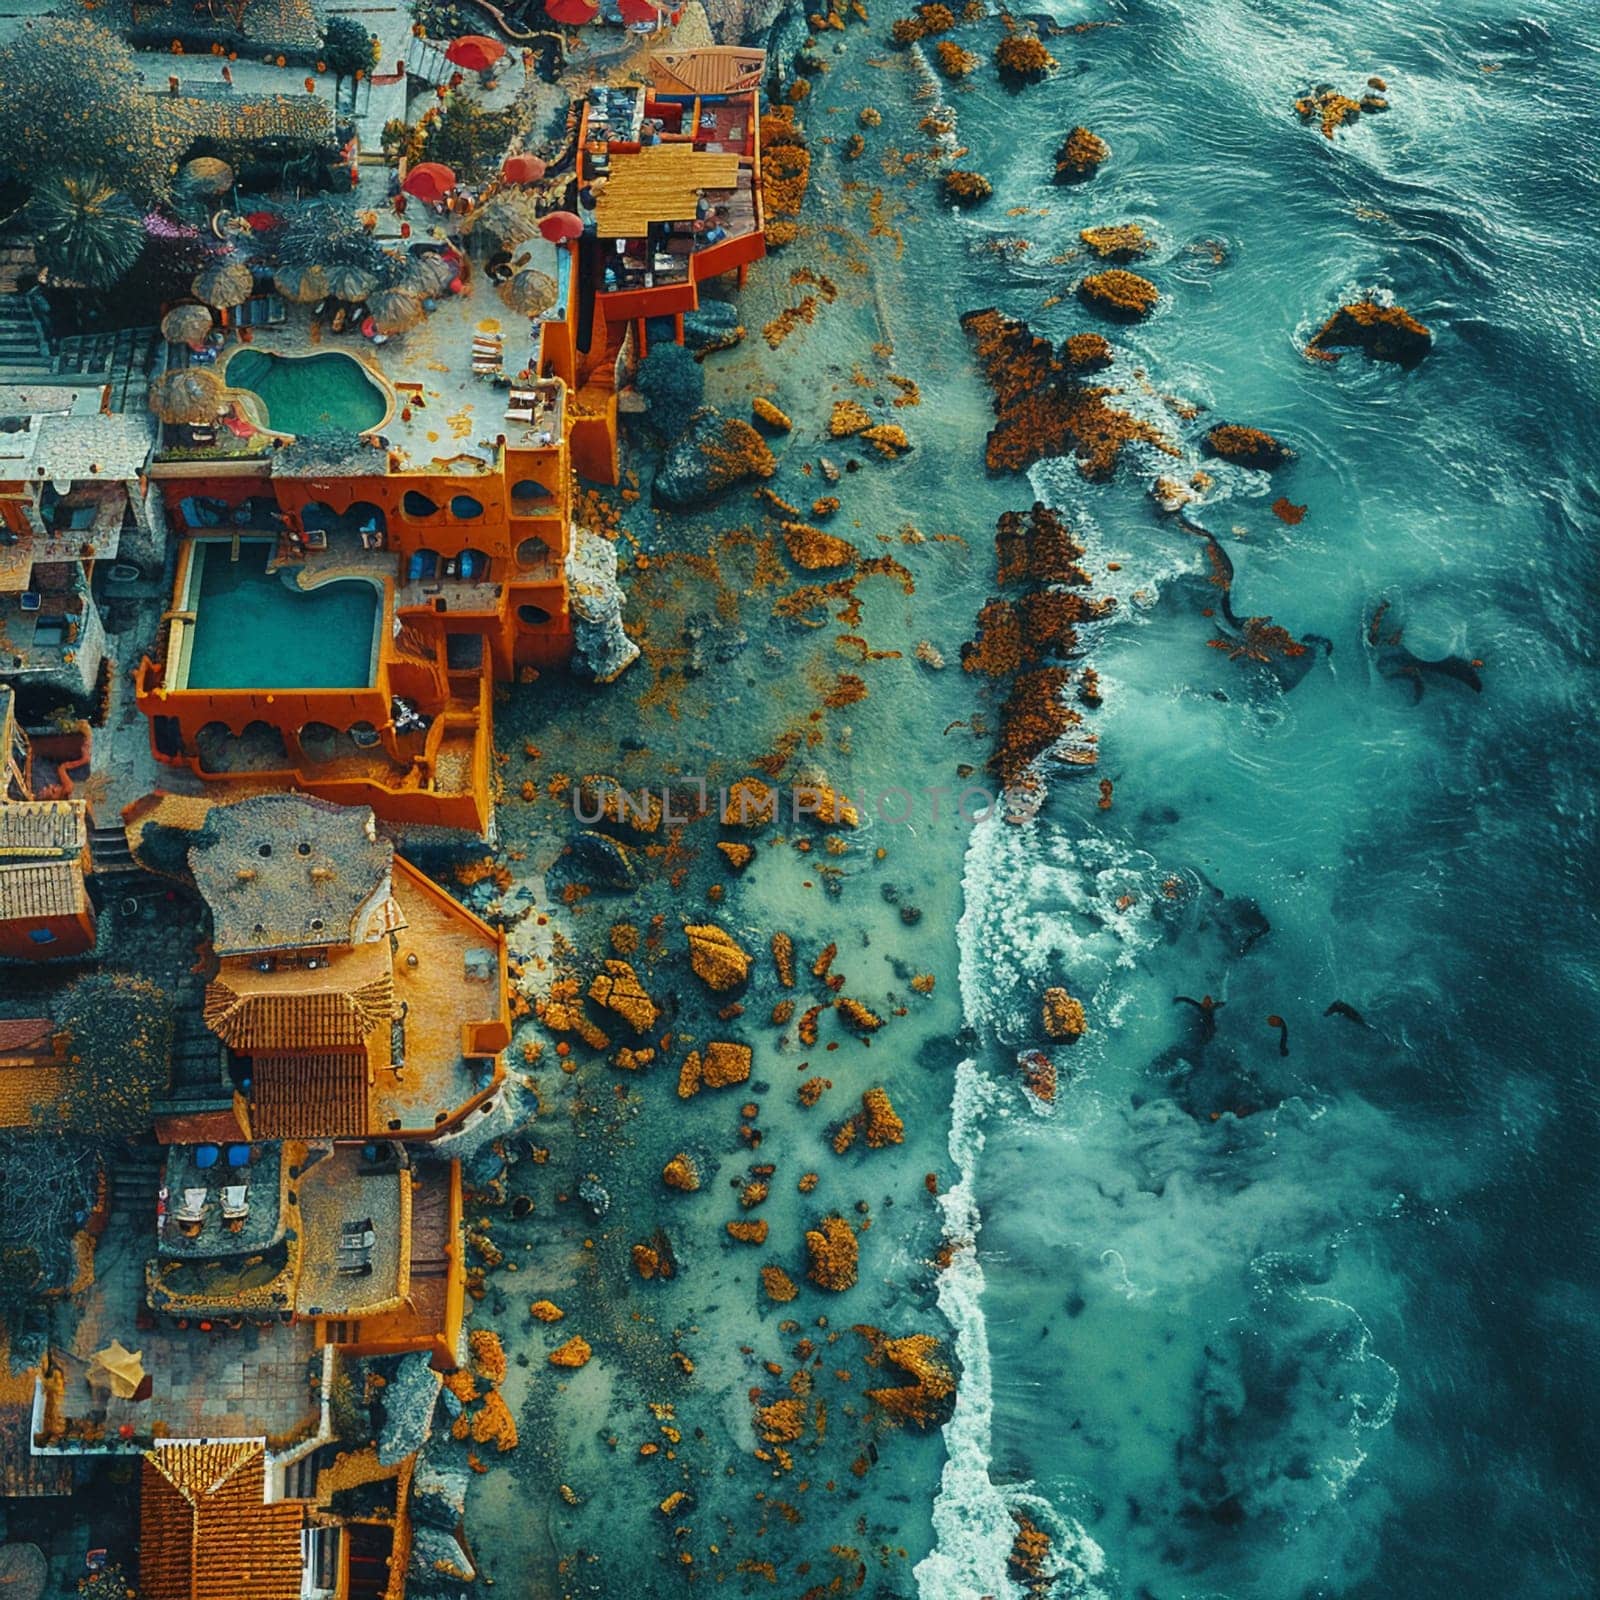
(253, 630)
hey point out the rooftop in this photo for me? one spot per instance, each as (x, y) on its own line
(206, 1531)
(287, 871)
(447, 379)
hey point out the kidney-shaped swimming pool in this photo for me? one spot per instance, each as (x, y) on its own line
(309, 394)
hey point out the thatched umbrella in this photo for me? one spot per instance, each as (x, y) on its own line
(206, 175)
(186, 325)
(428, 274)
(352, 283)
(191, 394)
(530, 291)
(224, 284)
(394, 310)
(303, 285)
(24, 1573)
(509, 217)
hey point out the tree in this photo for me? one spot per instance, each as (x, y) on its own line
(467, 138)
(349, 50)
(323, 234)
(71, 98)
(120, 1054)
(47, 1188)
(86, 230)
(673, 384)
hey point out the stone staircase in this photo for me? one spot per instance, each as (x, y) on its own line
(108, 850)
(425, 61)
(24, 335)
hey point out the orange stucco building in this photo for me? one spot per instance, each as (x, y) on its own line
(463, 572)
(670, 180)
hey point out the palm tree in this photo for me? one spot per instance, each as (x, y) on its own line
(87, 229)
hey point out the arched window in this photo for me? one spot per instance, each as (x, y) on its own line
(531, 616)
(533, 552)
(472, 566)
(465, 507)
(528, 494)
(423, 565)
(416, 504)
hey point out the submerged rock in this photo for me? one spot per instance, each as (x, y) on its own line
(1120, 242)
(601, 650)
(1385, 333)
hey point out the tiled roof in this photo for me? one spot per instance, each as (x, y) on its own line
(716, 69)
(313, 1096)
(205, 1530)
(45, 889)
(20, 1035)
(27, 1090)
(42, 828)
(285, 872)
(326, 1019)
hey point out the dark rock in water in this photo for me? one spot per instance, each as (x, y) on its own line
(1384, 333)
(436, 1553)
(712, 325)
(712, 454)
(1241, 923)
(521, 1206)
(911, 915)
(594, 1195)
(1246, 447)
(601, 861)
(439, 1495)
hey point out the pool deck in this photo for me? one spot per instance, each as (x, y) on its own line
(456, 415)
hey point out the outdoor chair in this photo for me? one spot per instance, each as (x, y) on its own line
(236, 1203)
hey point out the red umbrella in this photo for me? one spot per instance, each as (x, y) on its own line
(475, 51)
(560, 225)
(641, 10)
(429, 182)
(522, 169)
(571, 11)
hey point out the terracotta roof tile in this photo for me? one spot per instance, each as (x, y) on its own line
(327, 1019)
(42, 827)
(43, 889)
(26, 1089)
(314, 1096)
(19, 1035)
(205, 1530)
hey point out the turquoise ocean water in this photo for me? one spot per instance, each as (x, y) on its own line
(1233, 1322)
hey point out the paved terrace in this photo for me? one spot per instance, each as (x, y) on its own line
(230, 1383)
(443, 415)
